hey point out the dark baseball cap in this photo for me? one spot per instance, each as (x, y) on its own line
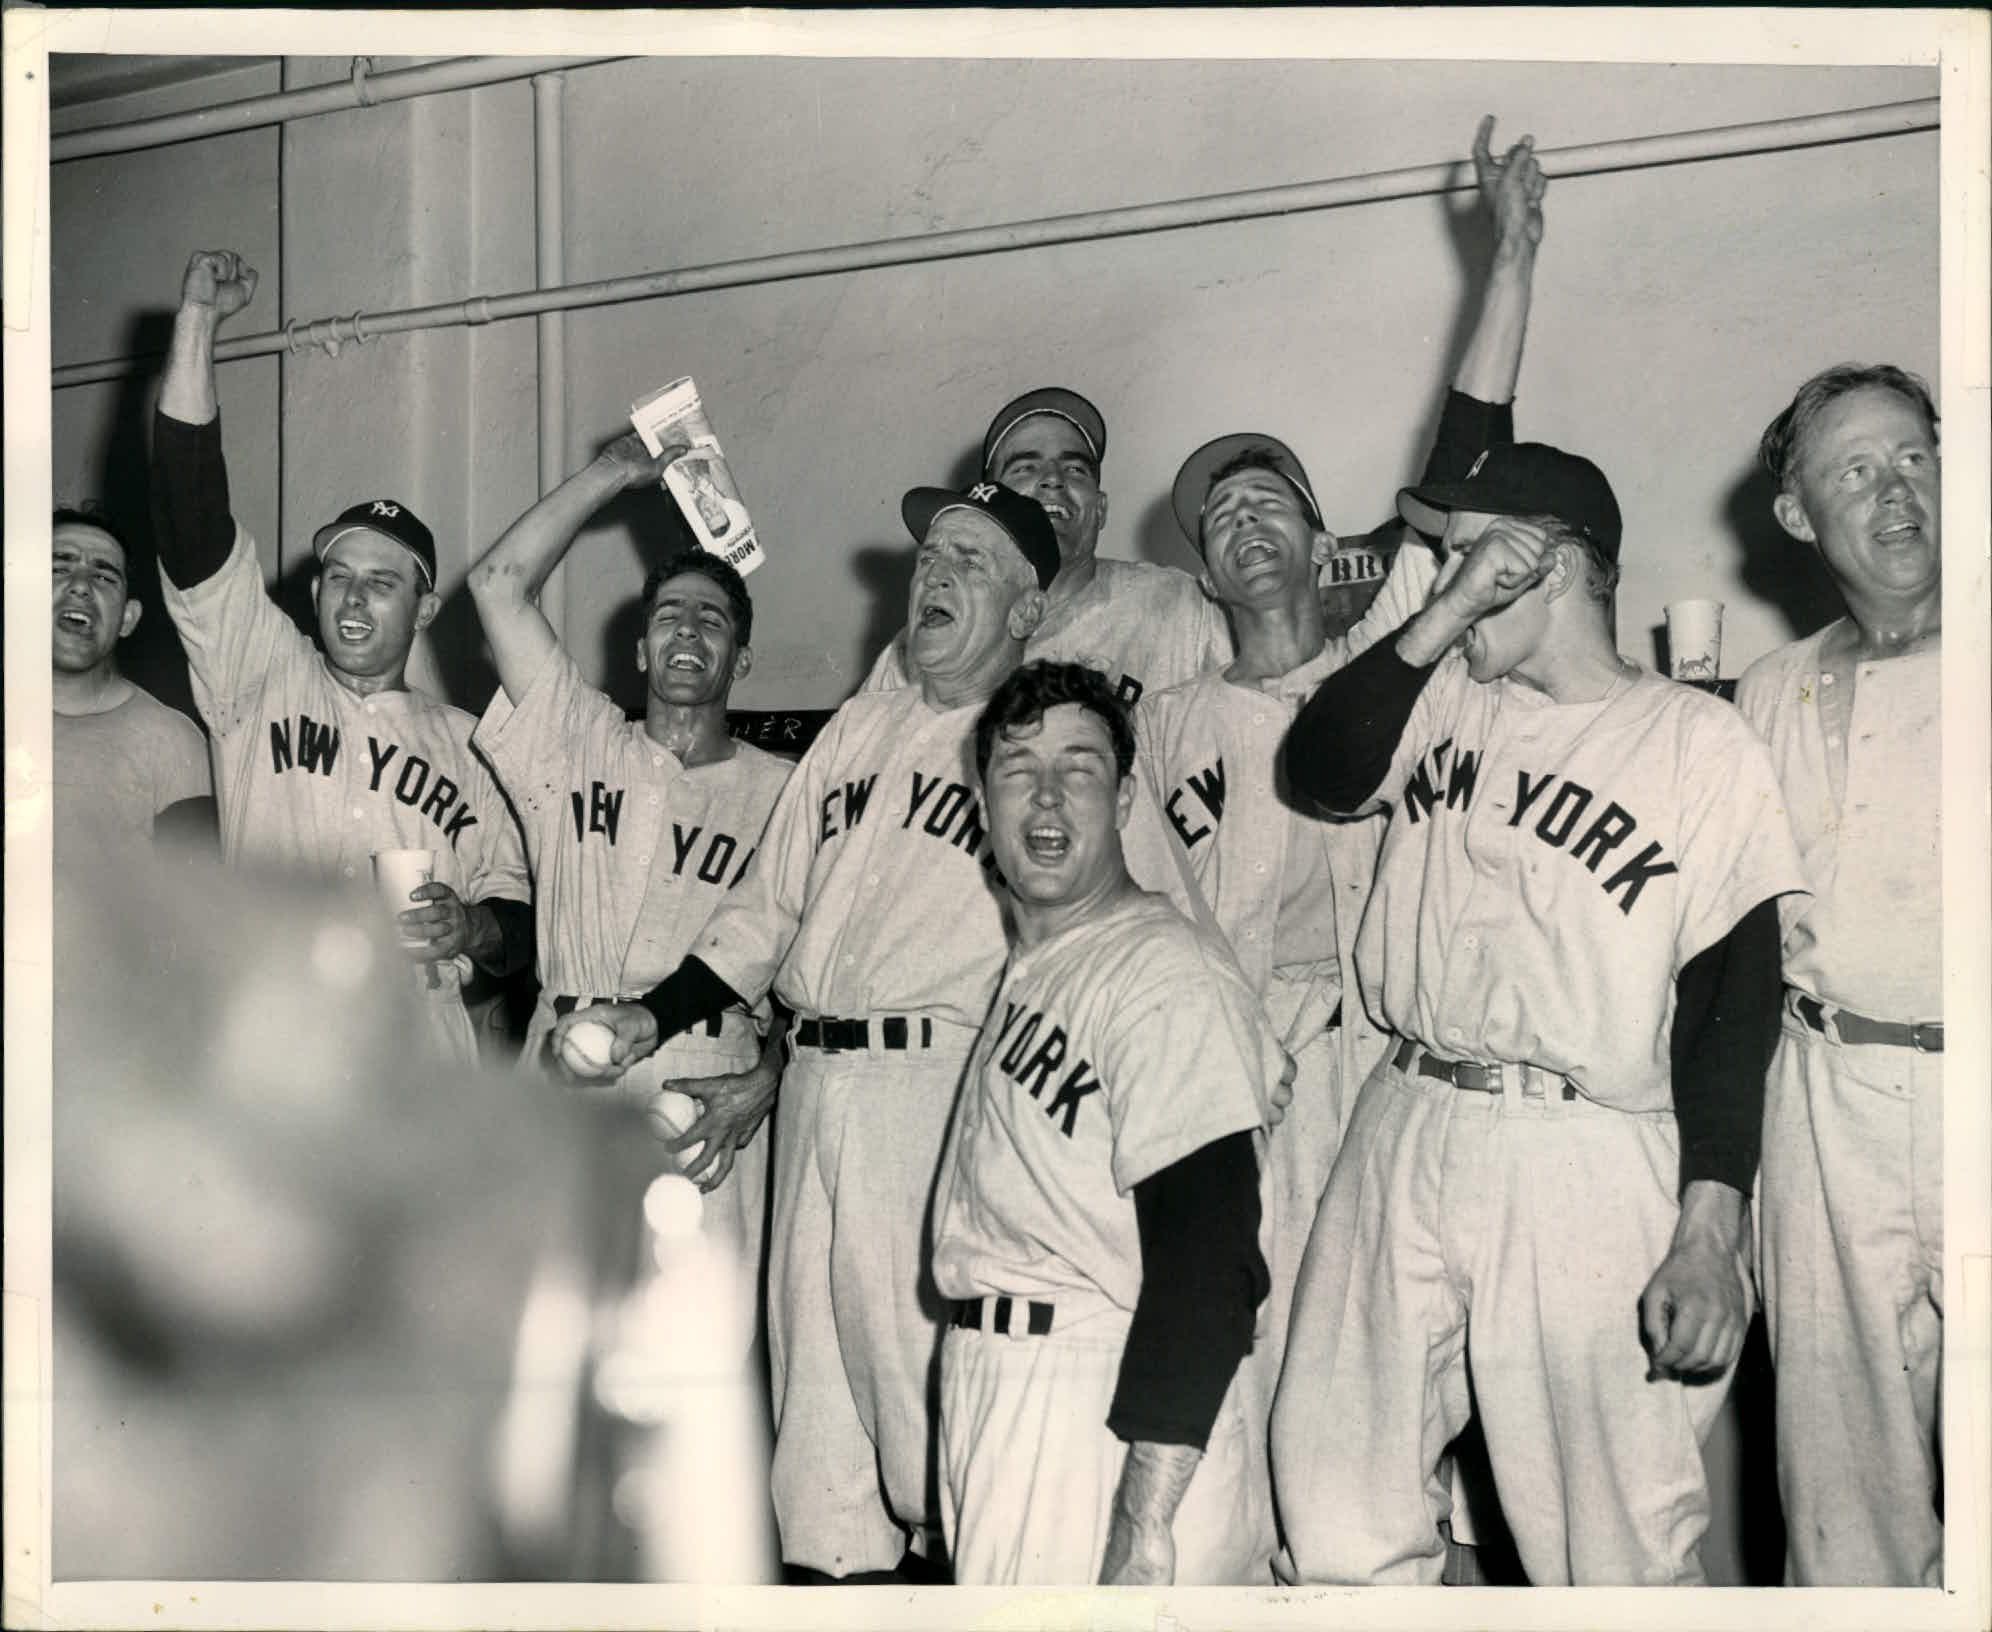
(1047, 399)
(1023, 519)
(1523, 479)
(391, 519)
(1194, 480)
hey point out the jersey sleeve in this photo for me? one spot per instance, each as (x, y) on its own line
(751, 931)
(183, 770)
(500, 873)
(1148, 844)
(888, 670)
(1737, 847)
(532, 746)
(1213, 635)
(234, 636)
(1185, 1063)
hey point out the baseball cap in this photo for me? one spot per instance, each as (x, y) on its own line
(1523, 479)
(1193, 481)
(1047, 399)
(391, 519)
(1023, 519)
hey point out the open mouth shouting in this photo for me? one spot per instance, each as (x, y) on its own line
(76, 620)
(1046, 843)
(354, 631)
(685, 662)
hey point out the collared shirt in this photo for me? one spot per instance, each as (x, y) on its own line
(1863, 785)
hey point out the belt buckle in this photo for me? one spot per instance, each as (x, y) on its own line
(1927, 1037)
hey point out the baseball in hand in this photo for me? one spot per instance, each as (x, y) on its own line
(590, 1045)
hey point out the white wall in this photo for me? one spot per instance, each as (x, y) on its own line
(1676, 308)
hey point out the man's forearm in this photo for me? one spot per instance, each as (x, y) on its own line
(1492, 362)
(500, 941)
(187, 392)
(1152, 1483)
(517, 565)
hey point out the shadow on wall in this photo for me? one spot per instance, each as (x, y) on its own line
(1775, 566)
(121, 489)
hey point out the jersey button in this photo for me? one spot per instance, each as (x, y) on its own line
(1825, 679)
(358, 814)
(349, 872)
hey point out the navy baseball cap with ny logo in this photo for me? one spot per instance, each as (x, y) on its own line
(392, 520)
(1523, 479)
(1022, 518)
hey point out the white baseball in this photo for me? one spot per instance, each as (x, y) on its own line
(590, 1043)
(671, 1113)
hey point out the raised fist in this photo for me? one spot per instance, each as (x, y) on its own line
(1511, 187)
(220, 279)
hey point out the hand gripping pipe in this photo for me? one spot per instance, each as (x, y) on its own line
(1638, 153)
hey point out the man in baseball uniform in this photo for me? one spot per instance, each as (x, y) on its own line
(874, 912)
(1144, 626)
(637, 829)
(1572, 939)
(126, 766)
(1097, 1216)
(325, 757)
(1853, 1206)
(1220, 834)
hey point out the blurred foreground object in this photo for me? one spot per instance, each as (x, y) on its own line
(290, 1241)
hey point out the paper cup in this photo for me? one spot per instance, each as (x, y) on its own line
(397, 873)
(1694, 639)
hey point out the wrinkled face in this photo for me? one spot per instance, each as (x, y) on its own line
(968, 577)
(1046, 458)
(93, 608)
(691, 646)
(1056, 805)
(1496, 644)
(371, 604)
(1259, 543)
(1868, 490)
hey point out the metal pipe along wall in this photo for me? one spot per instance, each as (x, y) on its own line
(1639, 153)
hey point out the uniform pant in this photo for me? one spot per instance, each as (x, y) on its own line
(1509, 1235)
(1030, 1468)
(1853, 1211)
(854, 1320)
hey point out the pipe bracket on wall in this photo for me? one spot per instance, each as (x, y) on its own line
(362, 66)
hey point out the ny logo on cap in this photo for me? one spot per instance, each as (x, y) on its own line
(1475, 471)
(382, 508)
(982, 492)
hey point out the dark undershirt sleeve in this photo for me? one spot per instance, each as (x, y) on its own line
(515, 930)
(1340, 745)
(1725, 1031)
(689, 994)
(190, 517)
(1468, 427)
(1202, 1278)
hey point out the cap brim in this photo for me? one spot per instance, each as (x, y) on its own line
(332, 532)
(1060, 403)
(1192, 484)
(1427, 507)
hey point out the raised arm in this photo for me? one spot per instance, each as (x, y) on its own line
(1511, 188)
(189, 479)
(506, 581)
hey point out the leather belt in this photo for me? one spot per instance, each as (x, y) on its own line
(897, 1031)
(1478, 1079)
(1000, 1312)
(1926, 1037)
(565, 1004)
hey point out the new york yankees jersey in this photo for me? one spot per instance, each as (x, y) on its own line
(1208, 752)
(1863, 777)
(1114, 1049)
(313, 777)
(631, 849)
(1144, 627)
(1550, 867)
(875, 890)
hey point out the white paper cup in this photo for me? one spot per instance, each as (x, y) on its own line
(397, 874)
(1694, 639)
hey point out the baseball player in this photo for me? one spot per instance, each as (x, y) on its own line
(126, 766)
(1097, 1215)
(324, 757)
(1220, 835)
(872, 910)
(1144, 626)
(1572, 940)
(637, 829)
(1853, 1203)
